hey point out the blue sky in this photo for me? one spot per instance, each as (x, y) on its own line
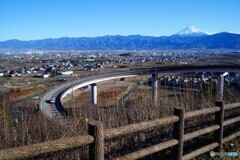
(39, 19)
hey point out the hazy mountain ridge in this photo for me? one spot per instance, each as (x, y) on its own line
(216, 41)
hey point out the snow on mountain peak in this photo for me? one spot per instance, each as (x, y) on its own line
(192, 31)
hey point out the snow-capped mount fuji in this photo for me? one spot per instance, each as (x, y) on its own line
(191, 31)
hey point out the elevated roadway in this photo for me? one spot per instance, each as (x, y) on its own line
(54, 111)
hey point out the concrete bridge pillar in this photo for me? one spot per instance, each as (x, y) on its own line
(94, 93)
(154, 88)
(220, 87)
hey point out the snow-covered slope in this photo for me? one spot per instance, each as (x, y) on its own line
(191, 31)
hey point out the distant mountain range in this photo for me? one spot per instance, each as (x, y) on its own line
(189, 38)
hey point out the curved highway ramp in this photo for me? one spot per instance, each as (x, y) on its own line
(50, 103)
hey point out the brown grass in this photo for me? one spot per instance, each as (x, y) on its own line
(32, 127)
(18, 94)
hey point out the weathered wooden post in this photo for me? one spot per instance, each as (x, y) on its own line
(96, 149)
(220, 88)
(219, 119)
(178, 133)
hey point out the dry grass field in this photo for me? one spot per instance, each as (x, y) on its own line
(21, 124)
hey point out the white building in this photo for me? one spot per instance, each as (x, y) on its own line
(42, 75)
(45, 75)
(65, 72)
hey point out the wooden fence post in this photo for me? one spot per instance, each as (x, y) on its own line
(178, 133)
(219, 119)
(96, 149)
